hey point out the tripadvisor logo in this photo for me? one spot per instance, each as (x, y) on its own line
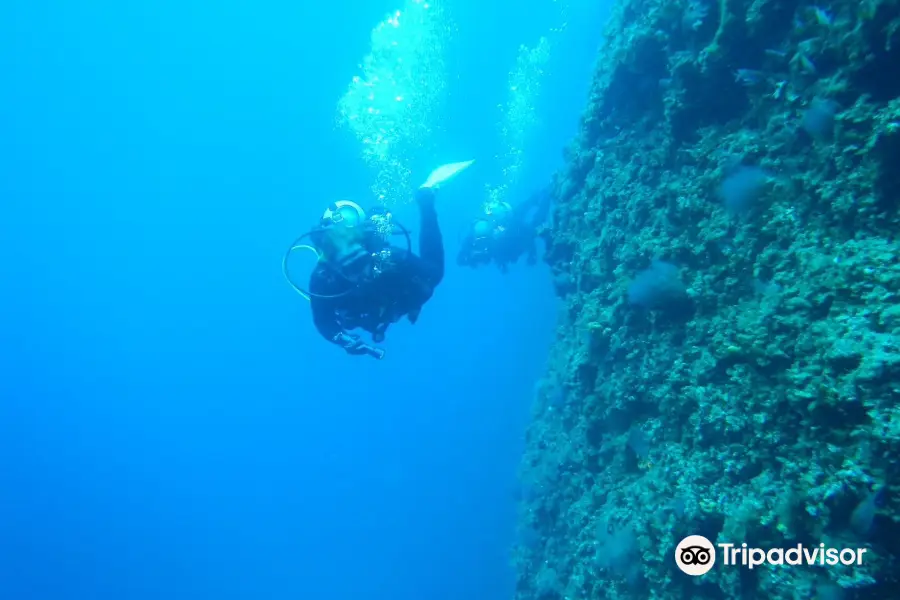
(696, 555)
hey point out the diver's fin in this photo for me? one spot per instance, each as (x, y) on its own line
(445, 173)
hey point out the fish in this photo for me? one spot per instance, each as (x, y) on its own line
(863, 515)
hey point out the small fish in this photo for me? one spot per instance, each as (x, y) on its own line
(864, 514)
(775, 53)
(639, 442)
(748, 77)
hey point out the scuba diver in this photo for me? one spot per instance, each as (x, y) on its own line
(503, 234)
(362, 281)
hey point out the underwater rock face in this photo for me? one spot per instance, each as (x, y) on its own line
(770, 413)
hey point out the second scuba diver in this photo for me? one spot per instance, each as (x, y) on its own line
(504, 233)
(362, 281)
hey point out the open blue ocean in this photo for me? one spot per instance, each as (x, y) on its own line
(171, 424)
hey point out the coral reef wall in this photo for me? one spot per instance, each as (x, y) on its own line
(728, 355)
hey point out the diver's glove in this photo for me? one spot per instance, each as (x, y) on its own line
(353, 345)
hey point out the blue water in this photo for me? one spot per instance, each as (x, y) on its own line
(171, 426)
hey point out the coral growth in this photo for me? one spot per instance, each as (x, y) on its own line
(769, 413)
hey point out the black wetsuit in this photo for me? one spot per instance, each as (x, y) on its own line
(510, 239)
(369, 301)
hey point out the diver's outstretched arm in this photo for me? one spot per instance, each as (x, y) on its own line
(431, 242)
(328, 326)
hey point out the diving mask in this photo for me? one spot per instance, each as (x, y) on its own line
(344, 213)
